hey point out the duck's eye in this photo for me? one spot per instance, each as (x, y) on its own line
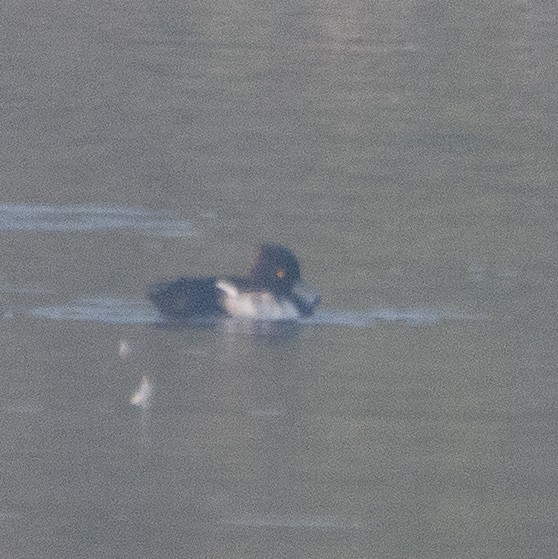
(280, 273)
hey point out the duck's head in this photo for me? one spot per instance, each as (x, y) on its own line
(276, 268)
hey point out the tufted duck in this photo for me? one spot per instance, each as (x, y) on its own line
(272, 290)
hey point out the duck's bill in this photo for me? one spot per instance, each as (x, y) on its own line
(308, 297)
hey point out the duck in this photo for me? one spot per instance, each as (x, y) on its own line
(272, 291)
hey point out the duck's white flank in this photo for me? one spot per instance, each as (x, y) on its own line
(255, 304)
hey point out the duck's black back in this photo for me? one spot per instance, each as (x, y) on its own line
(183, 298)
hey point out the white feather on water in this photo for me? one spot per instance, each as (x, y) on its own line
(123, 349)
(142, 396)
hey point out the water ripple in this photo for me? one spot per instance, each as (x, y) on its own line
(111, 310)
(114, 310)
(79, 218)
(369, 317)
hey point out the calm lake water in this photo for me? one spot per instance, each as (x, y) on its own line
(407, 152)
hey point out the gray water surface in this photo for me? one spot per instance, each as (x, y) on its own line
(406, 151)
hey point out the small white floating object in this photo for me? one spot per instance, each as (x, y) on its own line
(123, 349)
(142, 396)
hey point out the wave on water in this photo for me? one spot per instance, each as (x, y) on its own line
(111, 310)
(369, 317)
(114, 310)
(79, 218)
